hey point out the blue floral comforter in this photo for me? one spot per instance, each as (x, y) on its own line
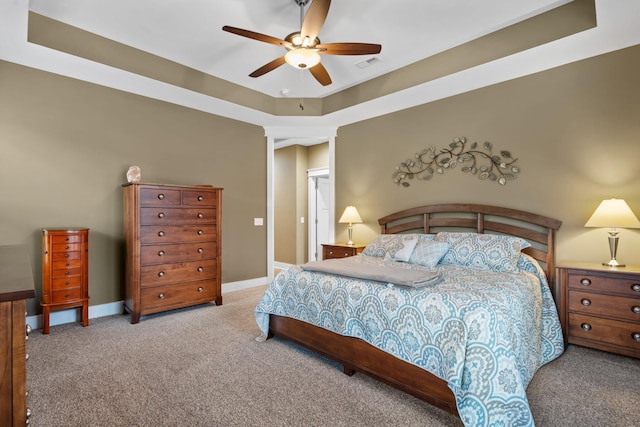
(486, 333)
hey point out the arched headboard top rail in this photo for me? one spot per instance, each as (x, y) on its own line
(539, 230)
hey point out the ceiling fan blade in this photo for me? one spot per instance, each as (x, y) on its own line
(320, 73)
(256, 36)
(268, 67)
(314, 19)
(349, 48)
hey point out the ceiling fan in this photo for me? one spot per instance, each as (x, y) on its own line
(304, 47)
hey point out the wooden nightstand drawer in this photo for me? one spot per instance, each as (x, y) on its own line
(600, 331)
(618, 284)
(605, 305)
(340, 250)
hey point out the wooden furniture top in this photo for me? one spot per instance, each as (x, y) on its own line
(204, 186)
(597, 266)
(16, 278)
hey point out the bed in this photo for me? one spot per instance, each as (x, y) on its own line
(470, 343)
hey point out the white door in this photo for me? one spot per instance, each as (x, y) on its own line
(318, 214)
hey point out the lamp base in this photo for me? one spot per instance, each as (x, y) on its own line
(613, 263)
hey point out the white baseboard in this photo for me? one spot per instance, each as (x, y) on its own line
(282, 265)
(60, 317)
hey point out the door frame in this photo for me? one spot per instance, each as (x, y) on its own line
(312, 178)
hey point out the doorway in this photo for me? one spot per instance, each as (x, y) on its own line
(319, 193)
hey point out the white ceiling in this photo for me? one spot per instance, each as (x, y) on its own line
(190, 32)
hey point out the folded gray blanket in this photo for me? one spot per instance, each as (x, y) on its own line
(350, 267)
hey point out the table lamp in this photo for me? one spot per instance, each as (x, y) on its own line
(613, 213)
(351, 216)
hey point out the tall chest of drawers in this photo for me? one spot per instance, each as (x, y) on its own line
(16, 286)
(65, 272)
(599, 306)
(173, 242)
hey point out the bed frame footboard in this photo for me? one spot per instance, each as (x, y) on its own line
(356, 355)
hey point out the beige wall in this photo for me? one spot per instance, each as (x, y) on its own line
(575, 130)
(65, 146)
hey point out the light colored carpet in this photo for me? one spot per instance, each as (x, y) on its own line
(202, 367)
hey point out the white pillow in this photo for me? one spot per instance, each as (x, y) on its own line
(403, 250)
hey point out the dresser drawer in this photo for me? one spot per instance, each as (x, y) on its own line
(177, 233)
(66, 263)
(156, 254)
(66, 272)
(607, 331)
(159, 274)
(609, 284)
(57, 239)
(66, 282)
(604, 305)
(171, 216)
(67, 247)
(199, 198)
(159, 197)
(66, 295)
(160, 298)
(61, 256)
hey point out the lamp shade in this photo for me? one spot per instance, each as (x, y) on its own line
(613, 213)
(350, 215)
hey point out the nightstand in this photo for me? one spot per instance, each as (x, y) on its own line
(340, 250)
(599, 306)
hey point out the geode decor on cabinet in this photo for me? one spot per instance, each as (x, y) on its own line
(173, 244)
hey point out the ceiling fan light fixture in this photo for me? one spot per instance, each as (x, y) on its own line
(302, 57)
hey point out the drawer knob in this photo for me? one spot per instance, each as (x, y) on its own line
(200, 270)
(28, 413)
(200, 198)
(67, 265)
(636, 287)
(200, 232)
(161, 296)
(67, 283)
(330, 252)
(67, 295)
(161, 215)
(200, 250)
(585, 282)
(636, 309)
(28, 329)
(636, 336)
(161, 253)
(200, 289)
(67, 255)
(346, 254)
(26, 356)
(161, 274)
(66, 272)
(66, 239)
(586, 327)
(200, 215)
(161, 196)
(161, 233)
(586, 302)
(67, 247)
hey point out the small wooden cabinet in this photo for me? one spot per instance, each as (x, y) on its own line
(65, 272)
(340, 250)
(599, 306)
(16, 286)
(173, 236)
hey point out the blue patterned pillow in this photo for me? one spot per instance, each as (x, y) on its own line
(390, 243)
(428, 253)
(482, 251)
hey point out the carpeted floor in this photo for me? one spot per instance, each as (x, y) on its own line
(202, 367)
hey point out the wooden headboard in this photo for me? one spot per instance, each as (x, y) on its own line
(536, 229)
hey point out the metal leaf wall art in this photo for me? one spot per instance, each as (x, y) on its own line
(475, 159)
